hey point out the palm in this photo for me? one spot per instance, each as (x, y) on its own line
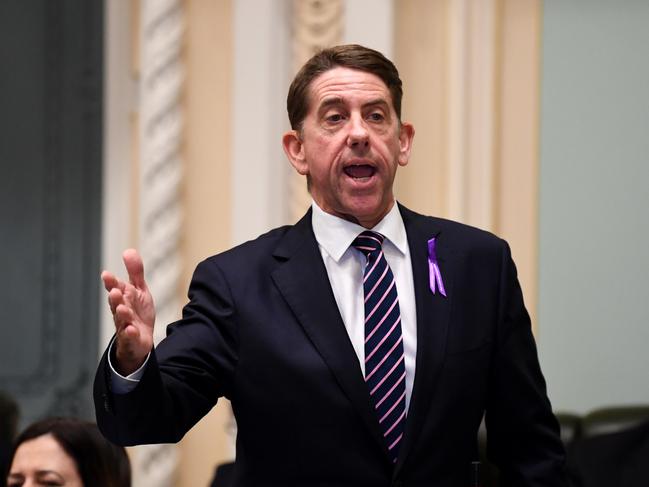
(134, 313)
(141, 303)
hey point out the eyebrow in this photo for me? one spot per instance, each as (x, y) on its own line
(327, 102)
(376, 101)
(339, 100)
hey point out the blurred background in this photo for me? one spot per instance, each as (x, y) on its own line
(156, 124)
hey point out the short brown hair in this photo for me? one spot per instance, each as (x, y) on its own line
(348, 56)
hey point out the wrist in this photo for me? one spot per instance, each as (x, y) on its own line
(126, 362)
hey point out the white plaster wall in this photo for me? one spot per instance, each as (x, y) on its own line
(262, 64)
(120, 98)
(371, 24)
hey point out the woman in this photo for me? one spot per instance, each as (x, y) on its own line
(67, 452)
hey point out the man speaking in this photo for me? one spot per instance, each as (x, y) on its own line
(359, 347)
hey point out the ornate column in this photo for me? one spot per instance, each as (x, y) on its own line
(160, 130)
(161, 26)
(316, 24)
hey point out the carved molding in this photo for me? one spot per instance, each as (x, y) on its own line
(71, 400)
(49, 357)
(57, 360)
(160, 137)
(49, 337)
(161, 76)
(316, 24)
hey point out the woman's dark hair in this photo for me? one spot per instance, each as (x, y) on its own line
(348, 56)
(99, 462)
(8, 427)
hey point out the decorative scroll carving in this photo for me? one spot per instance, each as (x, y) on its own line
(154, 465)
(160, 163)
(316, 24)
(160, 217)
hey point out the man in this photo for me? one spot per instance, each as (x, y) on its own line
(351, 358)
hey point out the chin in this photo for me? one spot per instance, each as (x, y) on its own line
(364, 213)
(371, 205)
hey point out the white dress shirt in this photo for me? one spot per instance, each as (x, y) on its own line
(345, 266)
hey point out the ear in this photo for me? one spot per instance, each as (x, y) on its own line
(406, 134)
(294, 149)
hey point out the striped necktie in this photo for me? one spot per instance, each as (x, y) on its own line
(385, 370)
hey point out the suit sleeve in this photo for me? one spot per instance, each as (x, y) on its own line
(523, 434)
(186, 373)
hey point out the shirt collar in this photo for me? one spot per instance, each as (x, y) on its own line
(335, 234)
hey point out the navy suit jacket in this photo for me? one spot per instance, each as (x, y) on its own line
(262, 328)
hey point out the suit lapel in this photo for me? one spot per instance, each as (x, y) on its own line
(433, 312)
(303, 282)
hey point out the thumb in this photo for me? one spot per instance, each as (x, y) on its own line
(135, 268)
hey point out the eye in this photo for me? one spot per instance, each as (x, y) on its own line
(376, 117)
(51, 482)
(334, 118)
(15, 480)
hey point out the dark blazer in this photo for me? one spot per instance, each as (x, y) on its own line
(262, 328)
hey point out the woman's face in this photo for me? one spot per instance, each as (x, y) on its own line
(42, 462)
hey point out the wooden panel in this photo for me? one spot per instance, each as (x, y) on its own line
(516, 202)
(421, 47)
(207, 197)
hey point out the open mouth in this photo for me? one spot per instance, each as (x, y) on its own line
(361, 172)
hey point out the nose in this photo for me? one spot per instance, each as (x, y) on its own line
(358, 136)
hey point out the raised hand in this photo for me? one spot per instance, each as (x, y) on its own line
(133, 313)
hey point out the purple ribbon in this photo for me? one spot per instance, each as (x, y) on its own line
(434, 275)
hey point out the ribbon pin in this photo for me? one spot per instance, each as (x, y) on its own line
(434, 274)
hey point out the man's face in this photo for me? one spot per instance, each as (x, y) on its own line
(350, 145)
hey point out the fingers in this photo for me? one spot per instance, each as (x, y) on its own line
(110, 281)
(121, 310)
(133, 313)
(135, 268)
(124, 316)
(115, 298)
(115, 289)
